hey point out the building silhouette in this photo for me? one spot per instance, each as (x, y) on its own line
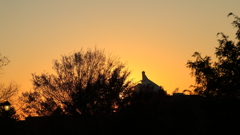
(146, 84)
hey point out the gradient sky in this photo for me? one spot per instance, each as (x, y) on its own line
(155, 36)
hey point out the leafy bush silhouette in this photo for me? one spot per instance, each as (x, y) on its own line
(221, 78)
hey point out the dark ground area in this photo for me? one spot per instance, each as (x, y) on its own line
(167, 115)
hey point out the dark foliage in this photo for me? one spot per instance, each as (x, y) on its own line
(221, 78)
(86, 83)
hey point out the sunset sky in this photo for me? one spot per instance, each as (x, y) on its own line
(155, 36)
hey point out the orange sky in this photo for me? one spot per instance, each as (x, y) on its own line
(157, 36)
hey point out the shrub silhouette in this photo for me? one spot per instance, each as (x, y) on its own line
(221, 78)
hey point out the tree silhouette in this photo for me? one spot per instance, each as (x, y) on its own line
(6, 94)
(35, 104)
(221, 78)
(3, 60)
(85, 82)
